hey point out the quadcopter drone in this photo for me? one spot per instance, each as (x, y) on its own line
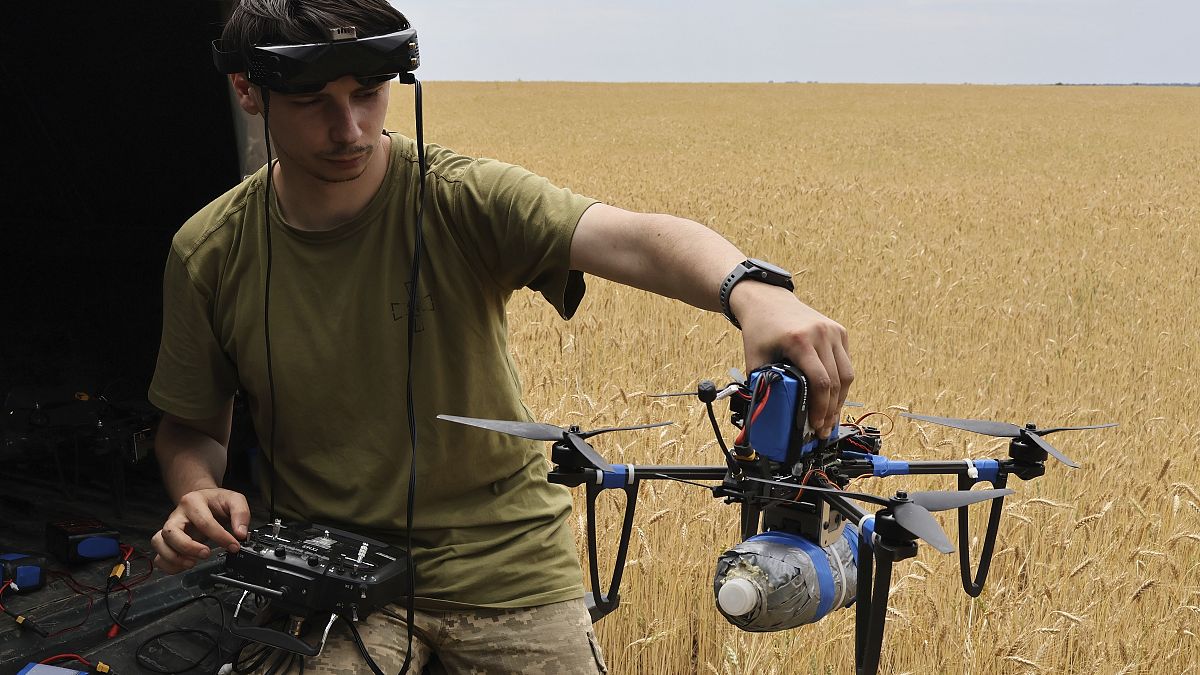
(807, 548)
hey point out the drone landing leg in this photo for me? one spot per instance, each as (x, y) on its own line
(599, 603)
(874, 582)
(974, 587)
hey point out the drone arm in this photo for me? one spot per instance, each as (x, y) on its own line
(852, 511)
(969, 472)
(855, 464)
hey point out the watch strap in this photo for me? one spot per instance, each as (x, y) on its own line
(749, 269)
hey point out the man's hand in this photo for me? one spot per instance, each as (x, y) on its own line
(683, 259)
(198, 518)
(776, 325)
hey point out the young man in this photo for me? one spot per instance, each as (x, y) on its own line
(498, 583)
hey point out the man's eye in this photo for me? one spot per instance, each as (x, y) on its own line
(370, 94)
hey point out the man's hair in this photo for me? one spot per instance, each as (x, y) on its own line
(280, 22)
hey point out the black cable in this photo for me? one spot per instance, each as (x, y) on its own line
(114, 617)
(254, 661)
(413, 296)
(143, 660)
(282, 658)
(412, 422)
(712, 417)
(266, 97)
(362, 647)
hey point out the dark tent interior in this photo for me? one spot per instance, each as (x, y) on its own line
(120, 129)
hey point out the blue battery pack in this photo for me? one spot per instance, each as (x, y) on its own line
(27, 572)
(770, 432)
(43, 669)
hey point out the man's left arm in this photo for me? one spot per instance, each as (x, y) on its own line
(683, 259)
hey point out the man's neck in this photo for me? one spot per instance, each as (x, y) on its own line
(309, 203)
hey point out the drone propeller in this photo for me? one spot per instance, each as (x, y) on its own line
(548, 432)
(535, 431)
(1006, 430)
(597, 432)
(531, 430)
(912, 509)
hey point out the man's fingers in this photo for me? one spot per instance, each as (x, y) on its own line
(200, 516)
(846, 373)
(178, 542)
(833, 392)
(238, 511)
(819, 399)
(176, 551)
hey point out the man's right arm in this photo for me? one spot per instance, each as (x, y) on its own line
(192, 455)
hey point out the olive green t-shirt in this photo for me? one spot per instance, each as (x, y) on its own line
(488, 530)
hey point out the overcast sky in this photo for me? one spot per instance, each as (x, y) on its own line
(983, 41)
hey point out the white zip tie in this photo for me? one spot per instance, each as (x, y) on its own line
(841, 567)
(727, 391)
(972, 471)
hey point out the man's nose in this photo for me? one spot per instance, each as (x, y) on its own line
(343, 125)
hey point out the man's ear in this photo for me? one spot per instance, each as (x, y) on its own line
(248, 96)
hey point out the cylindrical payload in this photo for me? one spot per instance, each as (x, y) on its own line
(776, 581)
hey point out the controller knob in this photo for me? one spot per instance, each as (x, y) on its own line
(281, 552)
(313, 561)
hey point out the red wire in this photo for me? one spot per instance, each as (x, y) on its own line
(2, 589)
(891, 422)
(804, 481)
(741, 437)
(56, 657)
(859, 445)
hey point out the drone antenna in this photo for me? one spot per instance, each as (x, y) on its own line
(707, 392)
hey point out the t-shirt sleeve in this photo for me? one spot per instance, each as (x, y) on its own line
(193, 379)
(521, 226)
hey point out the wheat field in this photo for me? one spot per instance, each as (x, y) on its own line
(1023, 254)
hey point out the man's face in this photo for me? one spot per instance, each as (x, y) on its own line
(331, 135)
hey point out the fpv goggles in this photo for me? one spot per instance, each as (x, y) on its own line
(305, 69)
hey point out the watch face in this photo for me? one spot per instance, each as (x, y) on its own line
(774, 269)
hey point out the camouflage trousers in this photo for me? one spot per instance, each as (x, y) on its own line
(555, 639)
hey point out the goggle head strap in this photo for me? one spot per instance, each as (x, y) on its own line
(306, 68)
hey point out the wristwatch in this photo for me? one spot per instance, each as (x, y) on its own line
(756, 270)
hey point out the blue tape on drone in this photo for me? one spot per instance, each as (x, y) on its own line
(820, 561)
(880, 465)
(619, 477)
(833, 438)
(988, 470)
(866, 530)
(851, 536)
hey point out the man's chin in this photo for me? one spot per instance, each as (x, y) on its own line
(326, 176)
